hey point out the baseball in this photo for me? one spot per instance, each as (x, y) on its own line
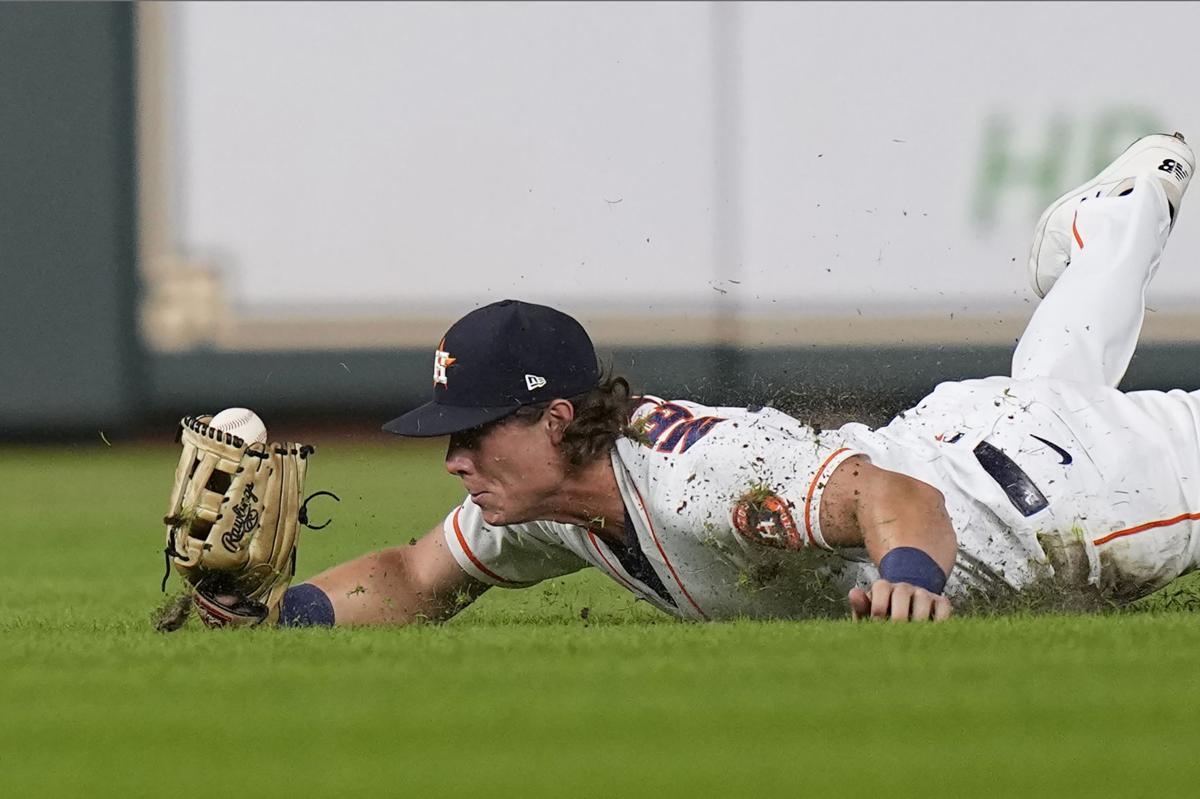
(241, 422)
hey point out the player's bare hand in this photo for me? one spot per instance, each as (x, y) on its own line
(899, 602)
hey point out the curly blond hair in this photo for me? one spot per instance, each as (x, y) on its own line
(601, 417)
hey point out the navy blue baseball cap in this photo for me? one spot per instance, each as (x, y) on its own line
(497, 359)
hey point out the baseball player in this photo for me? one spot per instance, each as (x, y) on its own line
(991, 487)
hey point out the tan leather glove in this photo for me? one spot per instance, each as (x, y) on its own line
(232, 523)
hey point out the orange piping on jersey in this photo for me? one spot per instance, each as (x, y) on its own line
(812, 488)
(671, 568)
(463, 543)
(1075, 231)
(1183, 517)
(611, 569)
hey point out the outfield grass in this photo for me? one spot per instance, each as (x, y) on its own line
(520, 696)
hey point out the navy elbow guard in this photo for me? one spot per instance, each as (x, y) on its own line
(305, 605)
(912, 566)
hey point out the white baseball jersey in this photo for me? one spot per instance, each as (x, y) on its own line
(698, 471)
(1050, 473)
(725, 502)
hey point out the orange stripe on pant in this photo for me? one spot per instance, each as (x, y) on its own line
(1141, 528)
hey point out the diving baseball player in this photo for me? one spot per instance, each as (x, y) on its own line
(1047, 476)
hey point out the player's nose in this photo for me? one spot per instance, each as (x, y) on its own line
(458, 461)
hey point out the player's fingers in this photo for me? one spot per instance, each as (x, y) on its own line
(902, 595)
(922, 605)
(881, 599)
(860, 603)
(942, 608)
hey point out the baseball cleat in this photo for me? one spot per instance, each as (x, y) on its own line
(1169, 158)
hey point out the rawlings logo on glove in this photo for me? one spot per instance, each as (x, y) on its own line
(246, 519)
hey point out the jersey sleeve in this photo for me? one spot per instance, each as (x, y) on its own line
(763, 475)
(513, 556)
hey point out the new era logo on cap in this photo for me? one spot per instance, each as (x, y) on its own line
(503, 354)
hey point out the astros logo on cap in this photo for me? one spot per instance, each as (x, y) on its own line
(441, 360)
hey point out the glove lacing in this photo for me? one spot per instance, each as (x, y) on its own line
(302, 516)
(169, 550)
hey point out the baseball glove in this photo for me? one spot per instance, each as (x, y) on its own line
(234, 515)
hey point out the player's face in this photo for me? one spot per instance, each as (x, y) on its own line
(511, 468)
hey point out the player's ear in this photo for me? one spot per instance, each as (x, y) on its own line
(558, 416)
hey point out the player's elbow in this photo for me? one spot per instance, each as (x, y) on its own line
(864, 503)
(404, 571)
(922, 494)
(895, 490)
(409, 585)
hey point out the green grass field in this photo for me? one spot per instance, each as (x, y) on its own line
(519, 695)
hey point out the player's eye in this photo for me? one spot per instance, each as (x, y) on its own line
(469, 439)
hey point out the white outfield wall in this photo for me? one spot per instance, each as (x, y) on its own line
(762, 174)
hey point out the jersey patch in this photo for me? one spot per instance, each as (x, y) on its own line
(764, 518)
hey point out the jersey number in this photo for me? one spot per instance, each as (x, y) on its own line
(670, 426)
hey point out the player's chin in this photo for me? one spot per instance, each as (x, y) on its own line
(492, 513)
(497, 515)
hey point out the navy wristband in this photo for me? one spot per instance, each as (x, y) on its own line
(305, 605)
(912, 566)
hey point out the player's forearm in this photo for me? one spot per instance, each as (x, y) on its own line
(400, 585)
(904, 512)
(905, 528)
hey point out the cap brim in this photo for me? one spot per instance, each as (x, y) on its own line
(433, 419)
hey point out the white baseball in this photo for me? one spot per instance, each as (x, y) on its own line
(241, 422)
